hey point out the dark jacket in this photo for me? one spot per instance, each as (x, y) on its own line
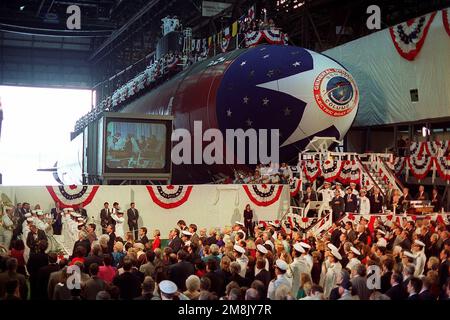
(43, 277)
(217, 283)
(33, 243)
(396, 292)
(92, 287)
(351, 203)
(23, 287)
(92, 259)
(337, 206)
(265, 277)
(376, 203)
(132, 215)
(176, 244)
(386, 281)
(311, 197)
(129, 285)
(426, 295)
(86, 244)
(179, 272)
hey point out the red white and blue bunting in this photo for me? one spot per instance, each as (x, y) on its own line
(295, 185)
(419, 166)
(331, 169)
(350, 172)
(253, 38)
(416, 149)
(72, 196)
(263, 195)
(398, 165)
(366, 181)
(409, 37)
(443, 167)
(446, 20)
(435, 148)
(311, 169)
(225, 44)
(169, 197)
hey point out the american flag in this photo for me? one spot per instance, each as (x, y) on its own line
(251, 13)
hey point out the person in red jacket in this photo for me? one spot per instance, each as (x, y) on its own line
(156, 239)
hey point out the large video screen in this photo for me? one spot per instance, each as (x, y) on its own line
(137, 145)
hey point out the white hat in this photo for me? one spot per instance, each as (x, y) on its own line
(281, 264)
(305, 245)
(40, 212)
(298, 247)
(336, 254)
(409, 254)
(75, 214)
(381, 231)
(186, 233)
(382, 243)
(352, 184)
(419, 243)
(168, 287)
(269, 243)
(332, 247)
(355, 251)
(275, 225)
(243, 233)
(327, 182)
(81, 223)
(239, 249)
(68, 209)
(239, 223)
(27, 215)
(261, 249)
(30, 219)
(187, 243)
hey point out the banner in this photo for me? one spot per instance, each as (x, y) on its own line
(443, 167)
(311, 169)
(436, 148)
(446, 20)
(331, 169)
(416, 149)
(263, 194)
(295, 185)
(72, 196)
(169, 197)
(419, 166)
(409, 37)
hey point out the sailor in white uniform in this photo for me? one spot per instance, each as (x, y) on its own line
(306, 256)
(25, 231)
(331, 268)
(7, 226)
(421, 259)
(261, 252)
(326, 192)
(297, 267)
(353, 186)
(339, 187)
(353, 255)
(281, 268)
(364, 203)
(118, 217)
(241, 258)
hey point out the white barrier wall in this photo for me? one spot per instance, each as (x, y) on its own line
(207, 205)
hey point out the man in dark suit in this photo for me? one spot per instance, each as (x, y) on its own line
(376, 201)
(143, 236)
(336, 234)
(112, 237)
(194, 238)
(309, 196)
(133, 216)
(359, 283)
(56, 214)
(11, 274)
(351, 201)
(405, 198)
(337, 205)
(217, 282)
(425, 293)
(43, 276)
(34, 237)
(262, 274)
(94, 285)
(175, 242)
(81, 210)
(436, 200)
(443, 267)
(422, 195)
(388, 266)
(128, 283)
(95, 256)
(414, 287)
(396, 291)
(179, 272)
(84, 242)
(36, 261)
(105, 217)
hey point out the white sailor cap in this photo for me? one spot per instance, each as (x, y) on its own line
(27, 215)
(409, 254)
(243, 234)
(281, 264)
(239, 249)
(352, 184)
(40, 212)
(275, 225)
(305, 245)
(269, 243)
(381, 232)
(75, 214)
(168, 287)
(80, 219)
(355, 251)
(336, 254)
(239, 223)
(187, 243)
(186, 233)
(332, 247)
(81, 223)
(382, 242)
(30, 219)
(327, 182)
(419, 243)
(298, 247)
(8, 208)
(68, 209)
(261, 249)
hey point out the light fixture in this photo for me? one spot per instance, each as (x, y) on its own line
(21, 8)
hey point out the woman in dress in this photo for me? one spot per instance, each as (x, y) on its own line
(248, 220)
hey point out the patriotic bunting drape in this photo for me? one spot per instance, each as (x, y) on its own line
(72, 196)
(263, 195)
(443, 167)
(419, 166)
(446, 20)
(169, 197)
(331, 169)
(295, 185)
(409, 37)
(311, 170)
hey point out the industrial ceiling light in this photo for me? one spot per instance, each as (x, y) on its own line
(21, 8)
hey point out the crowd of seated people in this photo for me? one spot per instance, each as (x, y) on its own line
(236, 263)
(271, 173)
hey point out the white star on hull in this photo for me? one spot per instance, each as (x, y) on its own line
(314, 119)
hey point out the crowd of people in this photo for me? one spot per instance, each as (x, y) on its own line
(271, 173)
(246, 261)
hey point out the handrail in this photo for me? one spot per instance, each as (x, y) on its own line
(397, 180)
(368, 173)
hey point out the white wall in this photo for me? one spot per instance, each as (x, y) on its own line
(208, 205)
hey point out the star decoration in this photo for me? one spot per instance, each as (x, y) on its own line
(295, 52)
(262, 49)
(287, 111)
(270, 73)
(243, 63)
(296, 64)
(246, 99)
(266, 56)
(249, 122)
(229, 113)
(265, 101)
